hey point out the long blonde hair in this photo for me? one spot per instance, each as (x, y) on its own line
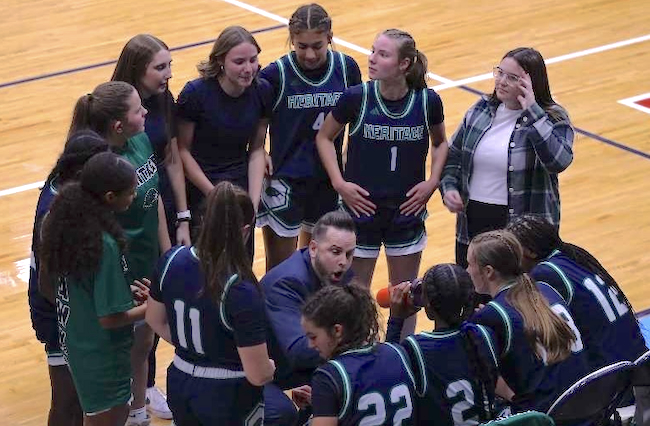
(549, 335)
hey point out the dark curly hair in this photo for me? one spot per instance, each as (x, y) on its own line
(352, 307)
(449, 293)
(79, 147)
(72, 231)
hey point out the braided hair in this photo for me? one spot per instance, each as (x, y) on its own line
(541, 238)
(450, 296)
(79, 147)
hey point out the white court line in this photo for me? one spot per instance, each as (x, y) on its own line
(549, 61)
(631, 102)
(447, 83)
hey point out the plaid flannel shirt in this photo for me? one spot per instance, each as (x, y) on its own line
(540, 148)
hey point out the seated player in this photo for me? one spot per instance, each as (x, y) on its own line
(456, 364)
(364, 382)
(207, 303)
(540, 351)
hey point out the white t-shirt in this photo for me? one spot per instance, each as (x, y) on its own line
(488, 183)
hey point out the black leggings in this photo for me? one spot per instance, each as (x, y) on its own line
(481, 217)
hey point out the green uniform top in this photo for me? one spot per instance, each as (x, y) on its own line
(80, 304)
(140, 221)
(99, 358)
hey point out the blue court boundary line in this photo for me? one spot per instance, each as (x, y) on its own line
(105, 63)
(581, 131)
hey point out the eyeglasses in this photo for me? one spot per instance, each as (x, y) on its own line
(511, 79)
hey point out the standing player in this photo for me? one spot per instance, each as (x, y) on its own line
(392, 120)
(65, 408)
(114, 110)
(221, 129)
(82, 256)
(206, 302)
(145, 63)
(306, 83)
(602, 313)
(364, 382)
(455, 365)
(541, 352)
(326, 261)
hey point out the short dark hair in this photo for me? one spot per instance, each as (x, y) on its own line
(338, 219)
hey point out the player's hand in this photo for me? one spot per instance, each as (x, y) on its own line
(268, 169)
(479, 307)
(183, 234)
(140, 290)
(401, 301)
(418, 196)
(355, 197)
(301, 396)
(453, 201)
(527, 97)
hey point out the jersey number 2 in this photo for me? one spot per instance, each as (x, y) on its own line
(195, 326)
(374, 401)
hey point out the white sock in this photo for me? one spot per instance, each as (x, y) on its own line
(138, 413)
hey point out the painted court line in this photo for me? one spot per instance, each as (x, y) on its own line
(114, 61)
(632, 102)
(550, 61)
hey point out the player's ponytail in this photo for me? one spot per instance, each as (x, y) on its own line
(97, 111)
(416, 73)
(221, 244)
(546, 332)
(350, 306)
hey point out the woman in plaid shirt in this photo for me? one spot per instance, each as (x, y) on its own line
(506, 154)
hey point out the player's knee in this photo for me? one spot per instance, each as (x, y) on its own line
(279, 410)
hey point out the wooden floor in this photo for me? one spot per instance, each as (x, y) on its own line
(605, 202)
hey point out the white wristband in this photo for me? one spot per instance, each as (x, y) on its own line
(184, 215)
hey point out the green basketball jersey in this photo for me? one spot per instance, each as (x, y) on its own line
(140, 221)
(98, 357)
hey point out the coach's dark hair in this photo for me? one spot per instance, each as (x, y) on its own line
(352, 307)
(501, 251)
(97, 111)
(338, 219)
(449, 293)
(541, 238)
(416, 73)
(72, 231)
(132, 66)
(78, 149)
(221, 244)
(231, 37)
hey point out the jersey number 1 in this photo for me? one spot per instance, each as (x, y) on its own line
(195, 326)
(393, 158)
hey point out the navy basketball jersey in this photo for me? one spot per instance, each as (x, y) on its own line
(387, 150)
(535, 383)
(43, 313)
(449, 394)
(367, 386)
(609, 330)
(298, 112)
(206, 333)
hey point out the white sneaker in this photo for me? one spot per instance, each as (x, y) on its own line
(133, 421)
(157, 403)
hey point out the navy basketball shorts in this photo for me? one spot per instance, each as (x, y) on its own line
(401, 235)
(289, 205)
(196, 401)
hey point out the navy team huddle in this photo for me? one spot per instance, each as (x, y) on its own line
(310, 325)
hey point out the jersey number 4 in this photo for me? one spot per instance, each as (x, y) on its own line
(194, 316)
(374, 401)
(319, 121)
